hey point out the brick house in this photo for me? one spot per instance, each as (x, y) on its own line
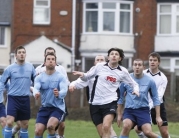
(139, 27)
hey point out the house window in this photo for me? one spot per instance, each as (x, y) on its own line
(41, 12)
(2, 36)
(108, 17)
(168, 19)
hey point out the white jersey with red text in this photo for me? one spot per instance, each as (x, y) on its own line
(106, 83)
(161, 84)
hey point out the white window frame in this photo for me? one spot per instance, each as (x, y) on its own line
(43, 7)
(5, 37)
(100, 16)
(173, 14)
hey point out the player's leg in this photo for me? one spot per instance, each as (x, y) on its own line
(2, 117)
(113, 133)
(56, 116)
(16, 128)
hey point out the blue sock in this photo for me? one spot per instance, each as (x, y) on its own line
(123, 137)
(3, 132)
(7, 132)
(159, 137)
(38, 137)
(51, 136)
(24, 133)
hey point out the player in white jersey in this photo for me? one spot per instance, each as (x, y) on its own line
(103, 100)
(161, 83)
(52, 87)
(78, 84)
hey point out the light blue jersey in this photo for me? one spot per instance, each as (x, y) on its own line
(146, 85)
(1, 95)
(20, 76)
(45, 84)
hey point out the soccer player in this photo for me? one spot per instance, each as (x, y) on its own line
(42, 68)
(2, 109)
(20, 74)
(161, 83)
(78, 84)
(103, 100)
(137, 111)
(52, 87)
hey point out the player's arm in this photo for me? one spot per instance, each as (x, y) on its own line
(120, 102)
(36, 88)
(156, 102)
(90, 74)
(4, 80)
(77, 84)
(129, 80)
(63, 85)
(161, 88)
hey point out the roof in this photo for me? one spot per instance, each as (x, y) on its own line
(5, 12)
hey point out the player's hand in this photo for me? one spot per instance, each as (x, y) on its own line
(136, 93)
(37, 95)
(55, 92)
(159, 121)
(72, 88)
(119, 120)
(80, 74)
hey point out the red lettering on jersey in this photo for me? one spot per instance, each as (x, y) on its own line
(109, 78)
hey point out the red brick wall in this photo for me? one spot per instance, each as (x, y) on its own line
(23, 30)
(145, 25)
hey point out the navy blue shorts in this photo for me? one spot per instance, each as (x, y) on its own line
(139, 116)
(18, 107)
(2, 110)
(45, 113)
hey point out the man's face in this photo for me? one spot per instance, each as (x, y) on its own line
(50, 62)
(114, 57)
(153, 63)
(48, 51)
(99, 59)
(20, 55)
(138, 67)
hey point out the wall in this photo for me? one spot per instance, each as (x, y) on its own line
(23, 30)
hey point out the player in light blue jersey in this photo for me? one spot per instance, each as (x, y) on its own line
(2, 109)
(52, 86)
(20, 74)
(137, 111)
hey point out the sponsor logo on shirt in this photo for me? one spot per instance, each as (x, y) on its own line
(109, 78)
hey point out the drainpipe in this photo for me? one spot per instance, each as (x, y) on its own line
(73, 35)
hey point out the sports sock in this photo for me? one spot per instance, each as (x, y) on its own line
(141, 135)
(159, 137)
(3, 132)
(51, 136)
(7, 132)
(14, 130)
(38, 137)
(24, 133)
(123, 137)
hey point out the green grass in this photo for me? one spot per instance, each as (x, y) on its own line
(86, 129)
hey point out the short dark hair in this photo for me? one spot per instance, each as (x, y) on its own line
(155, 54)
(120, 51)
(138, 59)
(51, 54)
(49, 48)
(18, 48)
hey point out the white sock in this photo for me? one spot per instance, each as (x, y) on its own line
(14, 130)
